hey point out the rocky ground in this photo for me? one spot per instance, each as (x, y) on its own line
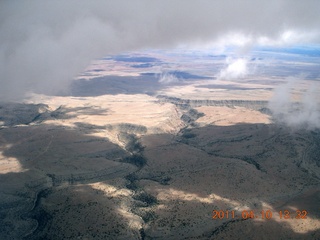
(148, 167)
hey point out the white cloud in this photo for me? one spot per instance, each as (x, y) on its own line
(235, 69)
(167, 78)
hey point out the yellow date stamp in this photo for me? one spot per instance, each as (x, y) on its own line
(259, 214)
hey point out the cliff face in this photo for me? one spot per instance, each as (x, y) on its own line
(185, 103)
(128, 128)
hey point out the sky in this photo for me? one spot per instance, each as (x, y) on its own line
(45, 44)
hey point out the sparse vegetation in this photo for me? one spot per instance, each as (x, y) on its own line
(142, 233)
(146, 198)
(165, 180)
(132, 185)
(148, 216)
(188, 135)
(135, 159)
(80, 151)
(131, 177)
(132, 143)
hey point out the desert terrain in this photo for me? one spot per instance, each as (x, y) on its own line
(148, 145)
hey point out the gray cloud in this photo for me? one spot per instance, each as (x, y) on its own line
(44, 44)
(304, 113)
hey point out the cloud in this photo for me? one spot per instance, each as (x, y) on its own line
(45, 44)
(167, 78)
(286, 108)
(235, 69)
